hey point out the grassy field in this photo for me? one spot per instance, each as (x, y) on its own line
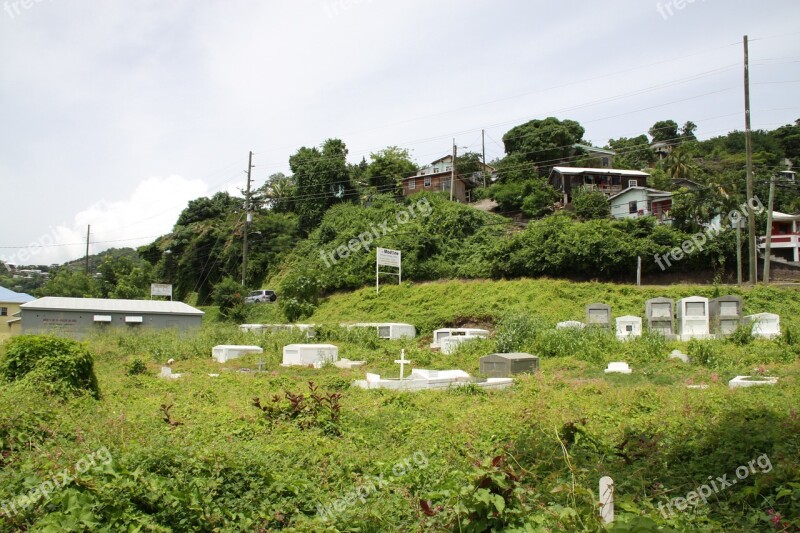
(195, 454)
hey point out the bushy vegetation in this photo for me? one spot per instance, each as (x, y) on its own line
(201, 454)
(60, 367)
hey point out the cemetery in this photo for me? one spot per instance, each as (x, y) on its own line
(630, 382)
(388, 330)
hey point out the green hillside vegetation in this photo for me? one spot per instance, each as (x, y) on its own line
(196, 454)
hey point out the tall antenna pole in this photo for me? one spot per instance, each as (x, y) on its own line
(751, 217)
(246, 220)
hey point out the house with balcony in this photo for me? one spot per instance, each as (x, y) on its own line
(438, 176)
(600, 157)
(609, 181)
(635, 202)
(785, 237)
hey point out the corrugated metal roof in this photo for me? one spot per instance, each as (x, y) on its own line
(11, 297)
(650, 192)
(581, 170)
(52, 303)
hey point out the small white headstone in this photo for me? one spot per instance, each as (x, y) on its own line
(607, 499)
(226, 352)
(618, 368)
(570, 324)
(677, 354)
(629, 327)
(765, 325)
(166, 372)
(402, 362)
(347, 364)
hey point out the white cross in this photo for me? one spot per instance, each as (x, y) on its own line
(402, 362)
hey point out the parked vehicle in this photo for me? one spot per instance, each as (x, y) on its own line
(261, 296)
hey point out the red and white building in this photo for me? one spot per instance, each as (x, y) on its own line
(785, 237)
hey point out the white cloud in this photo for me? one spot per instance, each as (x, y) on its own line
(150, 211)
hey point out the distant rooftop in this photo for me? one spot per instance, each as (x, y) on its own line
(595, 149)
(52, 303)
(11, 297)
(608, 171)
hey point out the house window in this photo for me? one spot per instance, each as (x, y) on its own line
(445, 185)
(428, 181)
(412, 184)
(632, 183)
(447, 169)
(435, 170)
(616, 180)
(605, 162)
(3, 311)
(632, 207)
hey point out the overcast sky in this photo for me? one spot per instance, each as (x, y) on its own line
(116, 114)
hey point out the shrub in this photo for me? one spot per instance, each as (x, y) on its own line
(228, 296)
(136, 367)
(516, 332)
(62, 367)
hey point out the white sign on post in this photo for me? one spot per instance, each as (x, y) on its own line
(390, 258)
(160, 289)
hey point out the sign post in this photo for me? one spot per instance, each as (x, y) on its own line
(390, 258)
(160, 289)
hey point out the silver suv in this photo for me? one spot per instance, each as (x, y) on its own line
(257, 297)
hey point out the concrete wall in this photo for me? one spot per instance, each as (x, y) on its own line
(78, 324)
(6, 329)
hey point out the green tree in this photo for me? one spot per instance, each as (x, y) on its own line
(209, 208)
(632, 153)
(387, 168)
(322, 179)
(590, 205)
(664, 131)
(277, 193)
(229, 295)
(545, 142)
(71, 284)
(680, 164)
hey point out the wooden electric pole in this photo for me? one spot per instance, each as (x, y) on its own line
(751, 216)
(483, 150)
(768, 248)
(453, 172)
(246, 220)
(88, 233)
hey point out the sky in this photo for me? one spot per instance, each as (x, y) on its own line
(115, 114)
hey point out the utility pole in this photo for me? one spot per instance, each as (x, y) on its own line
(246, 220)
(483, 150)
(88, 233)
(768, 249)
(739, 251)
(751, 217)
(453, 172)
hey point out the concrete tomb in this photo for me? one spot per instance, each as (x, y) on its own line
(618, 368)
(726, 315)
(659, 313)
(502, 365)
(388, 330)
(276, 328)
(315, 355)
(693, 318)
(226, 352)
(629, 327)
(598, 315)
(751, 381)
(440, 334)
(449, 345)
(765, 325)
(421, 379)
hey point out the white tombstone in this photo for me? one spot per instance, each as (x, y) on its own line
(166, 372)
(750, 381)
(402, 362)
(693, 318)
(421, 379)
(570, 324)
(315, 355)
(629, 327)
(389, 330)
(444, 333)
(618, 368)
(347, 364)
(765, 325)
(677, 354)
(449, 345)
(606, 493)
(226, 352)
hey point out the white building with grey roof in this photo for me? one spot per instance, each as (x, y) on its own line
(77, 317)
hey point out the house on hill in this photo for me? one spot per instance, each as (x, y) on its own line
(606, 180)
(635, 202)
(601, 157)
(9, 312)
(437, 176)
(785, 237)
